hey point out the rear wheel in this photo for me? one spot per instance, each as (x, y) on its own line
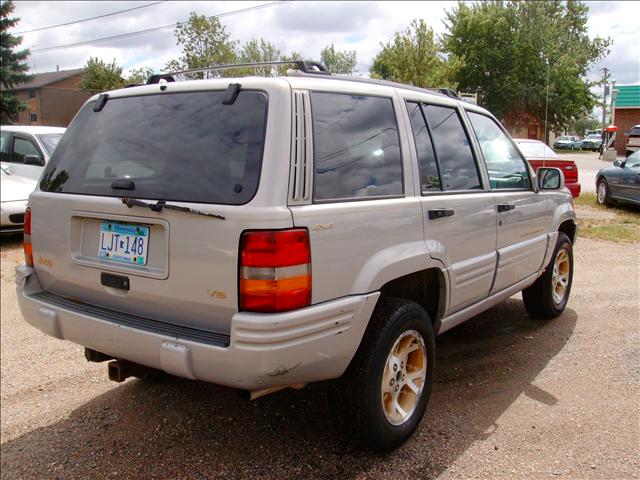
(548, 296)
(382, 396)
(603, 195)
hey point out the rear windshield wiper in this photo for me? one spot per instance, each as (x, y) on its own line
(160, 204)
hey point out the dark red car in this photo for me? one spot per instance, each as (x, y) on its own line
(540, 155)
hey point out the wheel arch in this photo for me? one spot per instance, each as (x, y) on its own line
(427, 288)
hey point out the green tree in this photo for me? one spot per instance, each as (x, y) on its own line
(505, 51)
(138, 75)
(282, 70)
(414, 57)
(582, 124)
(205, 42)
(340, 62)
(100, 76)
(256, 51)
(13, 64)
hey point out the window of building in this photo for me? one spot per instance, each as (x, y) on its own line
(32, 94)
(356, 147)
(34, 117)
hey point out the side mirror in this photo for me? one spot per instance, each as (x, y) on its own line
(617, 163)
(550, 178)
(33, 160)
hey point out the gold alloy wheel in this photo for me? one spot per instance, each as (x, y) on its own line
(404, 377)
(560, 276)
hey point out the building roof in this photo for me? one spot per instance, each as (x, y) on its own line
(47, 78)
(628, 96)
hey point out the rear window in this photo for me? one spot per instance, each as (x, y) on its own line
(176, 147)
(50, 140)
(536, 150)
(635, 132)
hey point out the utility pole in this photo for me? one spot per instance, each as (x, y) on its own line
(605, 81)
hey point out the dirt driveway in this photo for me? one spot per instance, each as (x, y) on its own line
(514, 398)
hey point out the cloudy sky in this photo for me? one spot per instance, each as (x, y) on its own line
(291, 26)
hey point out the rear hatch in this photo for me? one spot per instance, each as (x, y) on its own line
(633, 140)
(141, 208)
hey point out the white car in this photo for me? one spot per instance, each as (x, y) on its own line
(14, 192)
(28, 148)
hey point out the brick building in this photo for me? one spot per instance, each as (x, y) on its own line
(53, 98)
(627, 113)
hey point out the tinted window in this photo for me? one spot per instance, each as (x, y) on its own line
(23, 147)
(457, 166)
(635, 132)
(429, 176)
(506, 168)
(356, 147)
(50, 140)
(180, 146)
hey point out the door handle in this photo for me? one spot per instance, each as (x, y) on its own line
(505, 207)
(440, 213)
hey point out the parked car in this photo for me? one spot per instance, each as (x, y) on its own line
(28, 148)
(14, 192)
(592, 142)
(620, 182)
(568, 143)
(263, 233)
(540, 155)
(633, 140)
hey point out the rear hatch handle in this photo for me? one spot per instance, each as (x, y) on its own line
(160, 204)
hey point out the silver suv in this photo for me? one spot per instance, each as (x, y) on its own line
(263, 233)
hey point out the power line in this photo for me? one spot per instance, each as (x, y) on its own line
(87, 19)
(149, 30)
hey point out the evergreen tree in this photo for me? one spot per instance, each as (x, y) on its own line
(13, 63)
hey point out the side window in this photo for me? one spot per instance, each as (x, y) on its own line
(22, 147)
(506, 167)
(429, 175)
(356, 147)
(458, 170)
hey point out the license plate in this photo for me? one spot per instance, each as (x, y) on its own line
(123, 242)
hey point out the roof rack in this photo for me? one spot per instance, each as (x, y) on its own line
(447, 92)
(306, 66)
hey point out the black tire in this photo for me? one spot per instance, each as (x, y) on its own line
(603, 193)
(355, 399)
(539, 298)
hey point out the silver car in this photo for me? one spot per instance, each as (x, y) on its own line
(263, 233)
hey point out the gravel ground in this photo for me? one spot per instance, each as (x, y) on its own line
(513, 398)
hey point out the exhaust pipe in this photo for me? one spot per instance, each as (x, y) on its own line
(254, 394)
(95, 356)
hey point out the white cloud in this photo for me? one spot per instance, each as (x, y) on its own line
(295, 26)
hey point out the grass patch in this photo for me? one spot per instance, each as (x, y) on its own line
(613, 233)
(615, 224)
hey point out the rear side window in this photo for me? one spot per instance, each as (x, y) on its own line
(356, 147)
(507, 169)
(458, 170)
(179, 146)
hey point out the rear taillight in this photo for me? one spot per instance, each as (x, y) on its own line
(28, 248)
(275, 270)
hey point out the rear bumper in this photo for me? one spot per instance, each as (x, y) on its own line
(311, 344)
